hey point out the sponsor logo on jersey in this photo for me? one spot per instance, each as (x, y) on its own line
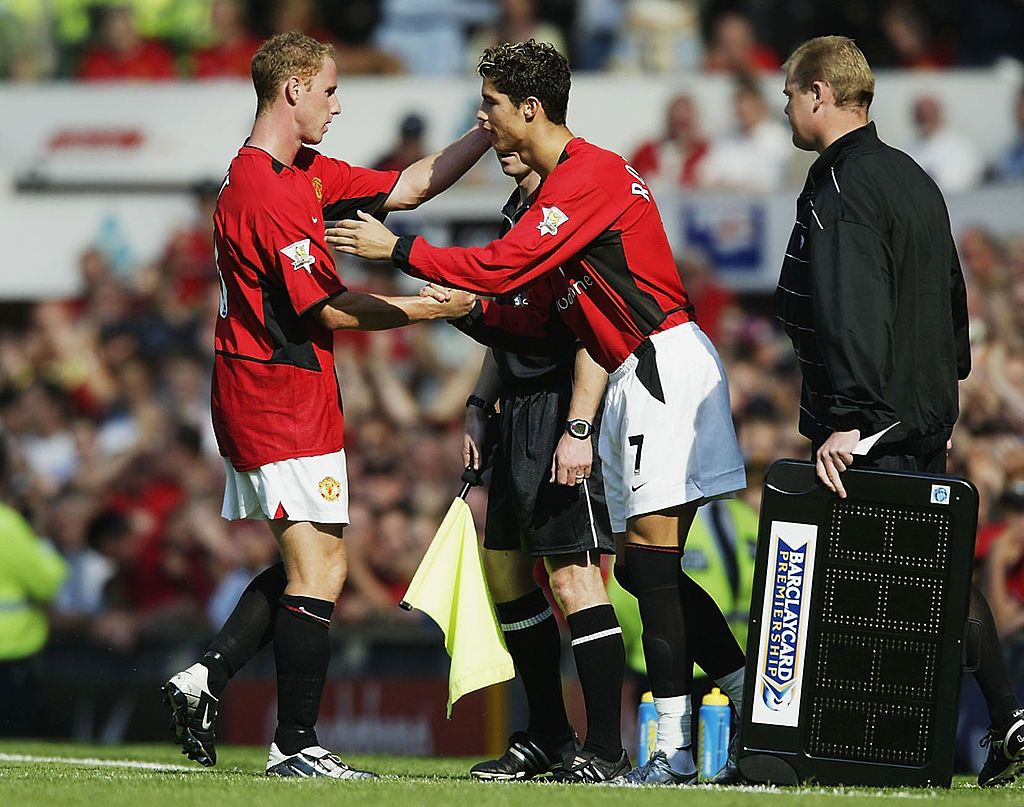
(330, 488)
(299, 254)
(940, 494)
(784, 623)
(318, 188)
(577, 288)
(553, 219)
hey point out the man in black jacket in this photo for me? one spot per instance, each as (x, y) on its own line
(872, 295)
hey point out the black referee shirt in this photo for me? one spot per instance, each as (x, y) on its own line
(872, 296)
(518, 371)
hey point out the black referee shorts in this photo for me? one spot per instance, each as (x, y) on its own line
(526, 512)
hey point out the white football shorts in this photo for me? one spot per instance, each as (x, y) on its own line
(659, 454)
(303, 489)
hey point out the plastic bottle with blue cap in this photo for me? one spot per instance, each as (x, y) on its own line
(715, 716)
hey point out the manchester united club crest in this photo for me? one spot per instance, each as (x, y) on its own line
(318, 188)
(330, 488)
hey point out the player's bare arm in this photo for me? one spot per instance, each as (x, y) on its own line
(365, 237)
(574, 455)
(352, 310)
(428, 177)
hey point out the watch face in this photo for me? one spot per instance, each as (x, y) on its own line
(579, 428)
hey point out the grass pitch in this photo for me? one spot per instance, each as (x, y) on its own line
(58, 774)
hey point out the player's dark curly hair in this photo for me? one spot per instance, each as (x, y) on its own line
(524, 69)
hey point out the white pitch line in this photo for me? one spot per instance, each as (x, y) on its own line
(100, 763)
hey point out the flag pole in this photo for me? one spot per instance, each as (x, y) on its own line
(470, 479)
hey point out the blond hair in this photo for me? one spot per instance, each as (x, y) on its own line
(837, 61)
(282, 56)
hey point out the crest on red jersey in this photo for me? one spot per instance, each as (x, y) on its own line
(299, 254)
(553, 219)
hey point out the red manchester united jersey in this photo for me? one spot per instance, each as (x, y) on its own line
(275, 393)
(596, 232)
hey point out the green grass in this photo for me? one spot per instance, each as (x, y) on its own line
(238, 780)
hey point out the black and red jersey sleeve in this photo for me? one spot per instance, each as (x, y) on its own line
(569, 213)
(296, 255)
(526, 329)
(349, 188)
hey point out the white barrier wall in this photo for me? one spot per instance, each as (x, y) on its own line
(172, 134)
(177, 132)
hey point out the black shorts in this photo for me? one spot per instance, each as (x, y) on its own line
(526, 512)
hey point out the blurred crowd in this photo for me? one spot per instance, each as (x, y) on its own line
(96, 40)
(109, 451)
(756, 155)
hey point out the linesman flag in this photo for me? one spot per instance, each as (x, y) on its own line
(449, 587)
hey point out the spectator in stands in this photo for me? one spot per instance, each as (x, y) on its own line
(907, 32)
(188, 262)
(83, 608)
(353, 23)
(299, 15)
(518, 23)
(31, 574)
(252, 550)
(734, 47)
(229, 55)
(27, 49)
(1010, 167)
(659, 37)
(47, 444)
(595, 35)
(428, 38)
(409, 147)
(677, 156)
(709, 298)
(1005, 564)
(120, 53)
(949, 157)
(752, 157)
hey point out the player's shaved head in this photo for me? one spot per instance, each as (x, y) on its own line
(282, 56)
(534, 69)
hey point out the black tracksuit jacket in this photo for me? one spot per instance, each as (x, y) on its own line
(872, 295)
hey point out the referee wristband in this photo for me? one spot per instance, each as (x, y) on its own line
(478, 402)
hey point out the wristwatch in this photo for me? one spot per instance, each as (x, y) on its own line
(579, 428)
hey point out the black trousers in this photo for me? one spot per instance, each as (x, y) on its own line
(19, 698)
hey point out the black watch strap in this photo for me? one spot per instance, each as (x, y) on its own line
(478, 402)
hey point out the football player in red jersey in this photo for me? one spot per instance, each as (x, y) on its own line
(667, 442)
(276, 401)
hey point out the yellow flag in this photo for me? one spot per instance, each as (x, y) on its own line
(449, 587)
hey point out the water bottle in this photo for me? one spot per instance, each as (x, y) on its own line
(714, 733)
(647, 729)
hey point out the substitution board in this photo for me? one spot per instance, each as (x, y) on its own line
(858, 621)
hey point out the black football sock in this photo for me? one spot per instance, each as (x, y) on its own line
(654, 573)
(532, 639)
(708, 636)
(991, 674)
(600, 663)
(247, 630)
(301, 650)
